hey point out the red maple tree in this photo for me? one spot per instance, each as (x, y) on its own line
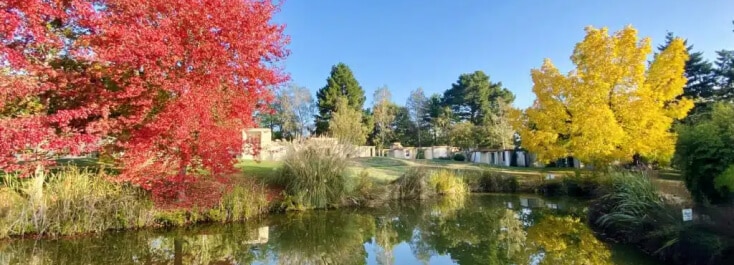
(165, 85)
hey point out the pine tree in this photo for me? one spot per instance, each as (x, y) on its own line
(341, 83)
(471, 97)
(725, 74)
(701, 80)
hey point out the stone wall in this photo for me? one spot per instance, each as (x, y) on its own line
(258, 141)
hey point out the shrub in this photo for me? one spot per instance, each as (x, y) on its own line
(583, 185)
(420, 154)
(315, 176)
(552, 187)
(724, 183)
(365, 184)
(368, 193)
(413, 184)
(459, 157)
(493, 182)
(703, 152)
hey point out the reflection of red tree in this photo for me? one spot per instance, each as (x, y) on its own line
(172, 82)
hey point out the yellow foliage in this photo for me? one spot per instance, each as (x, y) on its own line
(566, 240)
(611, 106)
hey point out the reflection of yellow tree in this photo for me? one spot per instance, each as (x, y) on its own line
(565, 240)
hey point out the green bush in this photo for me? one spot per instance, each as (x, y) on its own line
(365, 183)
(490, 181)
(704, 151)
(413, 184)
(583, 185)
(459, 157)
(724, 183)
(420, 154)
(499, 183)
(552, 187)
(315, 176)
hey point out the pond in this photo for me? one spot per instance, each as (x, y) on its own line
(478, 229)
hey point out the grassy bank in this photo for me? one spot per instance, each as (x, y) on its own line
(633, 210)
(71, 200)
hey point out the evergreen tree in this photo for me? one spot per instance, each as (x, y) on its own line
(368, 123)
(403, 128)
(341, 83)
(701, 83)
(434, 109)
(471, 97)
(725, 74)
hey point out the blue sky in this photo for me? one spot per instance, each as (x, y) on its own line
(409, 44)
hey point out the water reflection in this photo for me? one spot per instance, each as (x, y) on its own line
(487, 229)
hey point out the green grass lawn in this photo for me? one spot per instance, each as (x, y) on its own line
(260, 170)
(385, 169)
(670, 174)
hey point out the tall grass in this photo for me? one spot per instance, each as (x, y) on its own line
(633, 205)
(315, 176)
(71, 201)
(240, 203)
(421, 183)
(446, 182)
(634, 211)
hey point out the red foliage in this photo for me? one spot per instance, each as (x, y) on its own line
(170, 83)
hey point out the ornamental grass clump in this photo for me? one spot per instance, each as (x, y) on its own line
(314, 175)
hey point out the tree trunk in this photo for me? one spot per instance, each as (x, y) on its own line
(177, 251)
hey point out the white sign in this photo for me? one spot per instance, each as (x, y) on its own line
(550, 176)
(687, 214)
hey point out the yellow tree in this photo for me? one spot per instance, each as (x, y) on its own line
(346, 124)
(612, 106)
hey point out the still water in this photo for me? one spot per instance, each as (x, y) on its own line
(479, 229)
